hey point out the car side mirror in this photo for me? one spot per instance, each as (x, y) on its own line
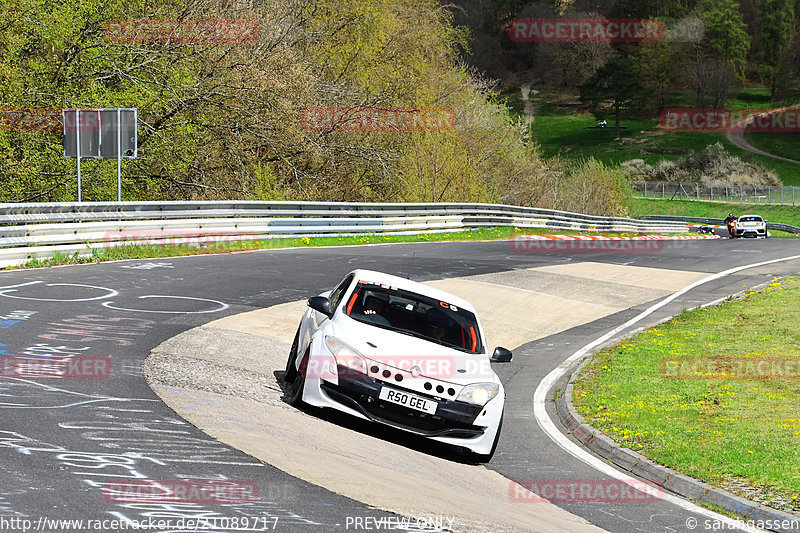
(321, 304)
(501, 355)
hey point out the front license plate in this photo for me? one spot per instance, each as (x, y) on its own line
(406, 399)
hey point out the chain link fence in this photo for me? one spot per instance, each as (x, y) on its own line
(742, 194)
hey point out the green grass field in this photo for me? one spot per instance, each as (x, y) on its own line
(561, 128)
(714, 427)
(784, 214)
(782, 144)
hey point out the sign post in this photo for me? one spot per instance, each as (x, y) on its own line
(119, 155)
(101, 134)
(78, 149)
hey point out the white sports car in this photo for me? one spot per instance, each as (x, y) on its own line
(403, 354)
(750, 226)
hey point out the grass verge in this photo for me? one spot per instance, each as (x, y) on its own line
(731, 432)
(138, 251)
(782, 144)
(784, 214)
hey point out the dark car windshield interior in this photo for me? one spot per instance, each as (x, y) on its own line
(395, 309)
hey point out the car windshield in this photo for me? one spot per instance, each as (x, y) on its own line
(751, 218)
(410, 313)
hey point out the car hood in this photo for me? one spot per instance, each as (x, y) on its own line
(404, 352)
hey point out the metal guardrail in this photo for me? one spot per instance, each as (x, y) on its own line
(719, 221)
(29, 231)
(741, 194)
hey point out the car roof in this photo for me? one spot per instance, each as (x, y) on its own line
(413, 286)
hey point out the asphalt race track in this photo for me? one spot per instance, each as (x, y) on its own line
(65, 441)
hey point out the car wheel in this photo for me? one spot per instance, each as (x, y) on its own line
(486, 457)
(295, 392)
(291, 371)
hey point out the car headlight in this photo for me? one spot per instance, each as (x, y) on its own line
(479, 393)
(346, 355)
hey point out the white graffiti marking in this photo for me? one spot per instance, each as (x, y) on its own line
(40, 395)
(12, 288)
(220, 306)
(150, 266)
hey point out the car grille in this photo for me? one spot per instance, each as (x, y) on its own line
(457, 421)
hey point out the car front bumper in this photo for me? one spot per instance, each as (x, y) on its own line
(750, 232)
(454, 423)
(451, 419)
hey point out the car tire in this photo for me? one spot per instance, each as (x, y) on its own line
(295, 392)
(486, 457)
(291, 371)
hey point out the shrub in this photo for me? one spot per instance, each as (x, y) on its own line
(711, 166)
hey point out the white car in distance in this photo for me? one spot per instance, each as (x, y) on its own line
(750, 226)
(402, 354)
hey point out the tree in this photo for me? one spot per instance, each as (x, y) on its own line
(777, 21)
(617, 84)
(721, 57)
(663, 71)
